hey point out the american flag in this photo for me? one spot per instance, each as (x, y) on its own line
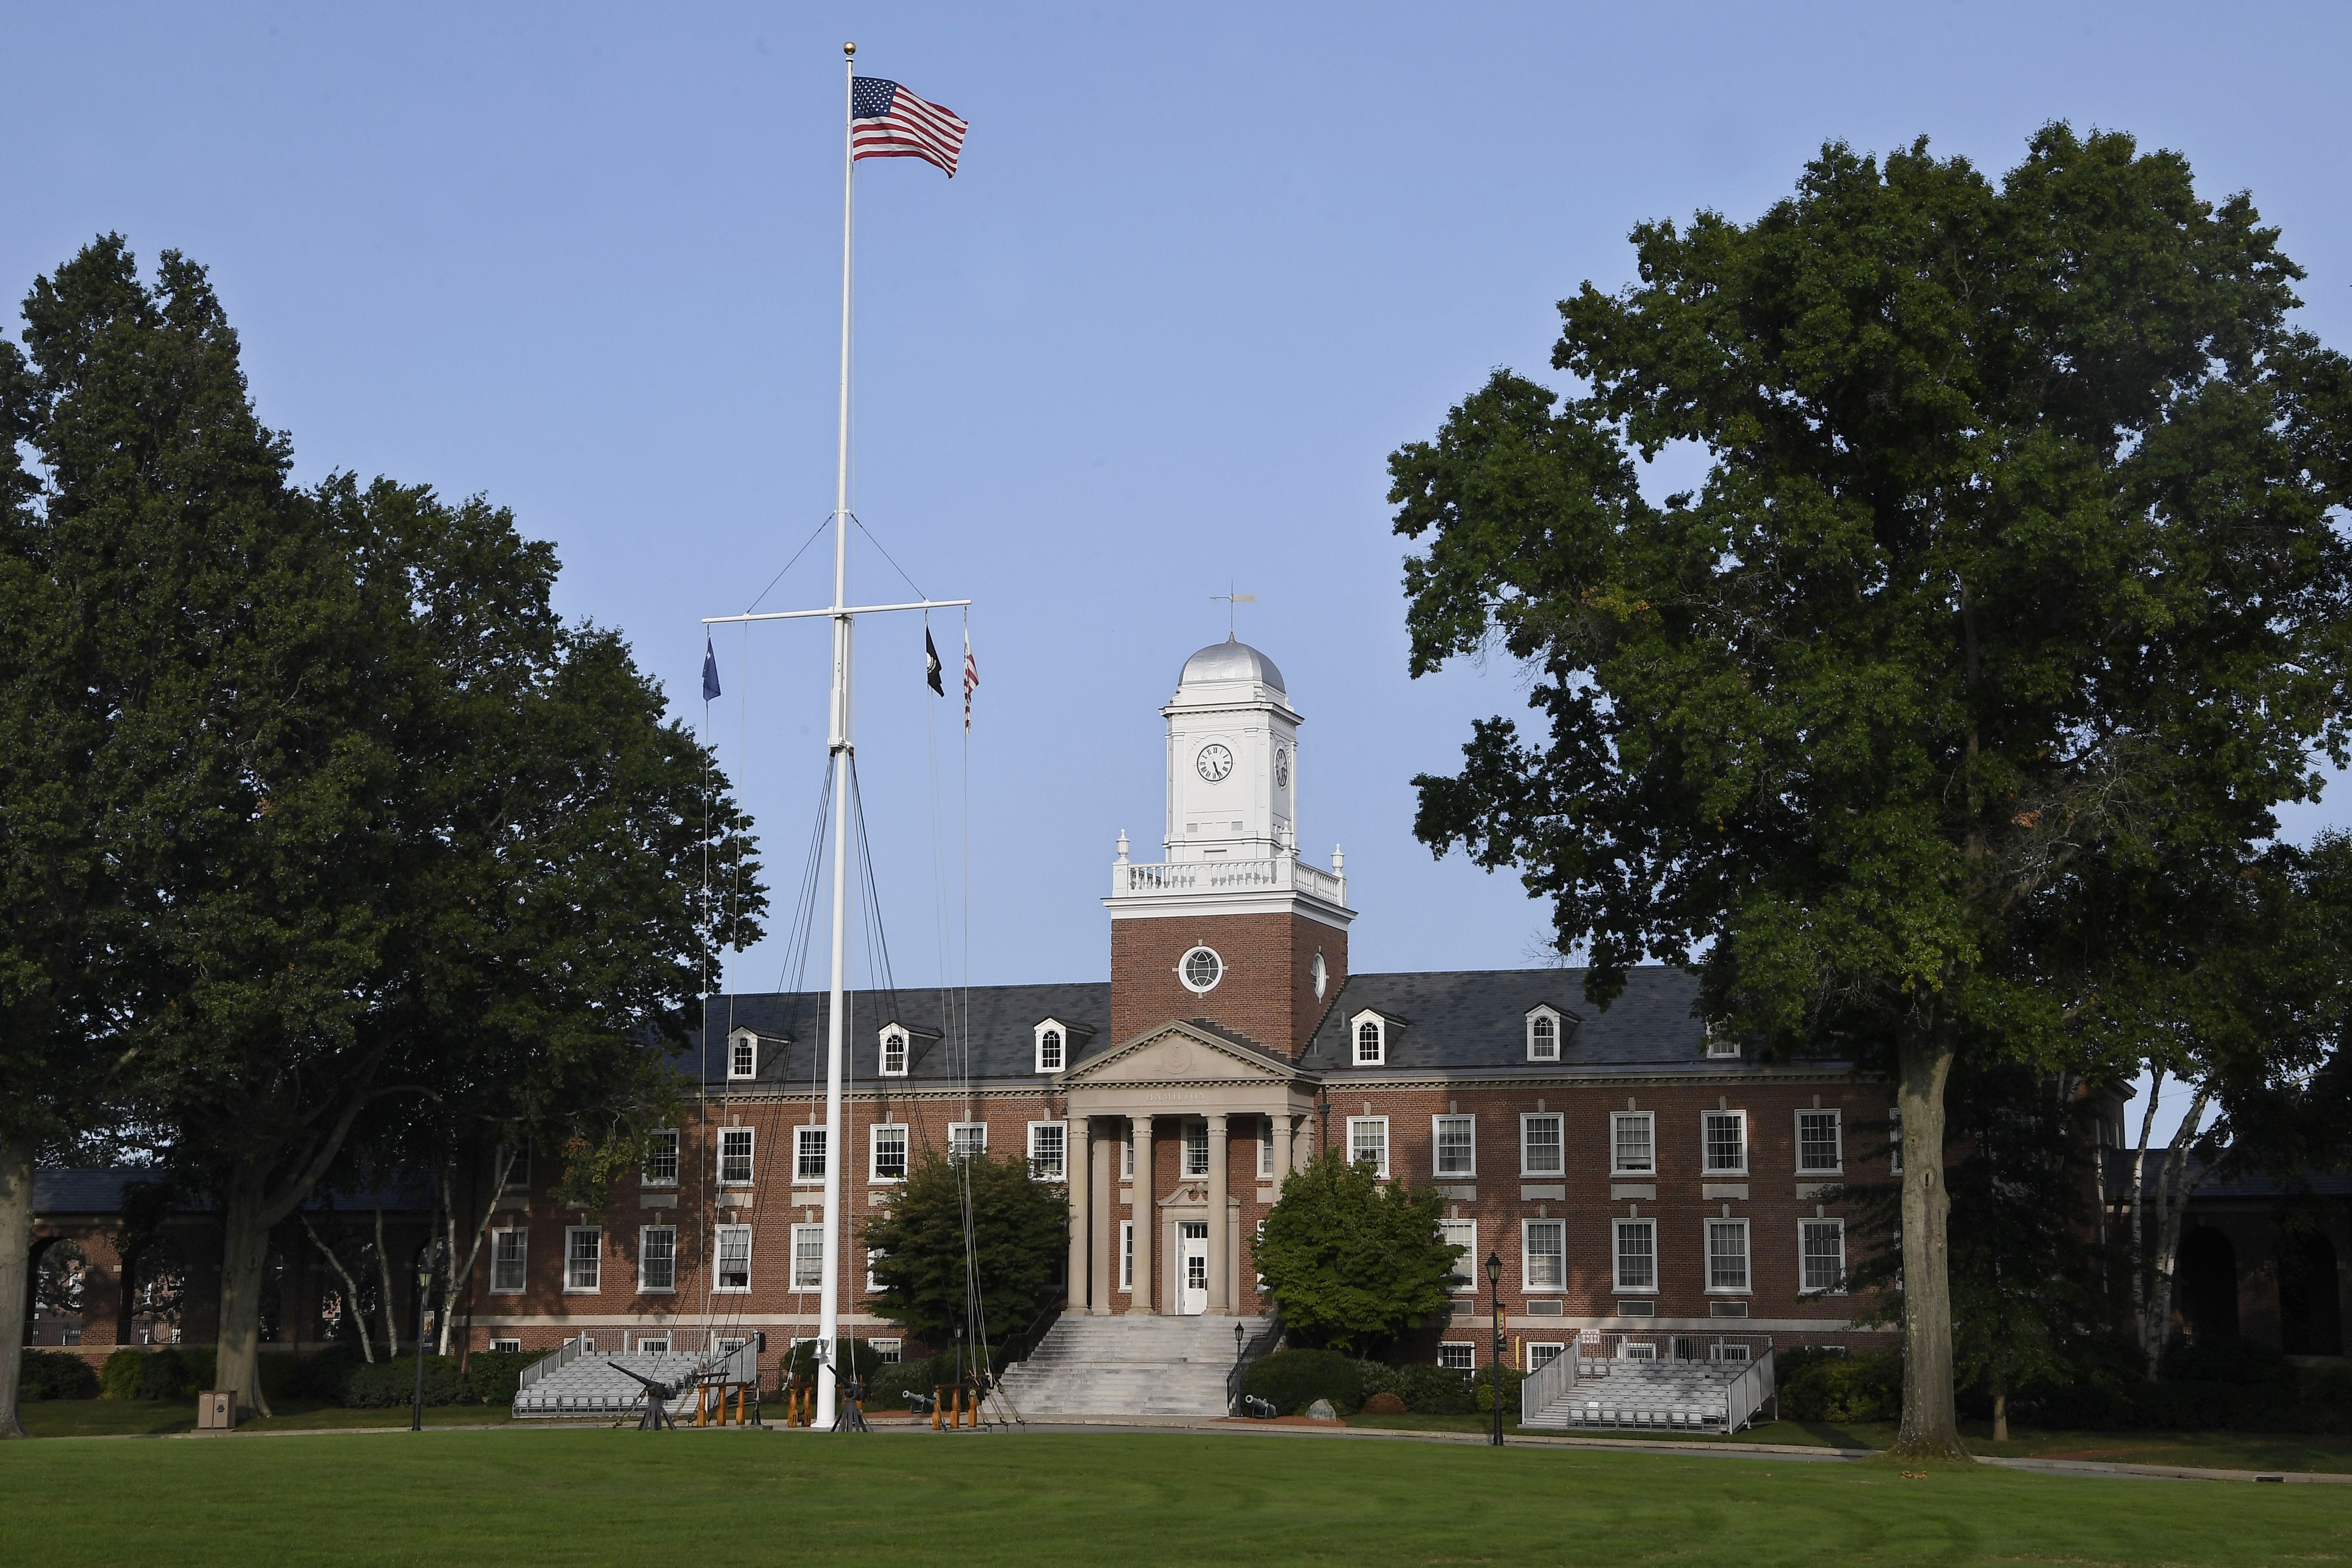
(885, 121)
(971, 679)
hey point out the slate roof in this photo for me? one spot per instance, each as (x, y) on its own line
(1000, 1024)
(1466, 1020)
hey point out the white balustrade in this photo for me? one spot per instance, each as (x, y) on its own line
(1132, 879)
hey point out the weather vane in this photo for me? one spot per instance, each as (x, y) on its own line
(1230, 599)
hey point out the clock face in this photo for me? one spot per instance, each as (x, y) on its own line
(1214, 763)
(1282, 770)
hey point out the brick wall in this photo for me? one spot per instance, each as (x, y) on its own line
(1267, 992)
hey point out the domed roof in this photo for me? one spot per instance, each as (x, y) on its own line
(1231, 660)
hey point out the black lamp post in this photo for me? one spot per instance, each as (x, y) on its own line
(1495, 1359)
(423, 1287)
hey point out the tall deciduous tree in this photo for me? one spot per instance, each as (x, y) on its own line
(1020, 1234)
(1354, 1260)
(2015, 550)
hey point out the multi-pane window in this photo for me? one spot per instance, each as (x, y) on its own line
(734, 1255)
(874, 1256)
(1726, 1254)
(507, 1347)
(1542, 1355)
(742, 1057)
(1370, 1049)
(1196, 1148)
(893, 1053)
(1543, 1245)
(517, 1165)
(808, 1258)
(1457, 1146)
(1265, 1149)
(735, 1156)
(1727, 1143)
(1457, 1356)
(1049, 1050)
(888, 1352)
(507, 1254)
(653, 1344)
(661, 1160)
(1720, 1047)
(890, 1147)
(584, 1257)
(808, 1153)
(1632, 1144)
(1822, 1246)
(1127, 1155)
(1464, 1234)
(1819, 1148)
(966, 1139)
(1048, 1151)
(1543, 1038)
(657, 1258)
(1126, 1255)
(1368, 1143)
(1540, 1153)
(1637, 1255)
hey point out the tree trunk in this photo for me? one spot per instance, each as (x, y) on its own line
(244, 1255)
(502, 1166)
(385, 1298)
(1930, 1421)
(2138, 1227)
(352, 1311)
(2171, 1201)
(16, 1272)
(2000, 1415)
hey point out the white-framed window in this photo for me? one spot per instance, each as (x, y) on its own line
(808, 1258)
(1726, 1256)
(583, 1258)
(1127, 1156)
(1458, 1355)
(732, 1247)
(742, 1056)
(966, 1139)
(508, 1249)
(1895, 1141)
(1724, 1139)
(1126, 1255)
(1200, 969)
(509, 1347)
(656, 1259)
(1820, 1248)
(889, 1352)
(1544, 1033)
(1368, 1141)
(1632, 1144)
(886, 1152)
(653, 1344)
(1720, 1047)
(1540, 1355)
(735, 1156)
(1821, 1144)
(1455, 1145)
(660, 1169)
(1543, 1254)
(1637, 1255)
(1540, 1150)
(519, 1173)
(1257, 1244)
(893, 1052)
(1053, 1052)
(1049, 1150)
(1371, 1033)
(1265, 1148)
(808, 1154)
(1464, 1234)
(873, 1255)
(1196, 1148)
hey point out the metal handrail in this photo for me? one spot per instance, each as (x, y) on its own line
(1020, 1346)
(1747, 1394)
(1547, 1384)
(1252, 1353)
(570, 1353)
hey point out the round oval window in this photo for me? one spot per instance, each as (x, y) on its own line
(1203, 969)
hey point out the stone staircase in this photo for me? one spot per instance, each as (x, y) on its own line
(588, 1385)
(1129, 1366)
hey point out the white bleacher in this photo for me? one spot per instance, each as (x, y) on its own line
(1661, 1384)
(573, 1384)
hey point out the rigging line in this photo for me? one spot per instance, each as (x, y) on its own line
(787, 566)
(887, 556)
(702, 1077)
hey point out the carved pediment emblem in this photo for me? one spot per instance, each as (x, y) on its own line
(1178, 1053)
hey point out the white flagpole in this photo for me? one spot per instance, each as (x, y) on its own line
(837, 1020)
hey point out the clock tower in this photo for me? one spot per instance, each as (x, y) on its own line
(1230, 925)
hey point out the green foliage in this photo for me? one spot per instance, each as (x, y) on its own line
(394, 1383)
(1020, 1231)
(2249, 1363)
(1353, 1260)
(888, 1386)
(494, 1377)
(1483, 1388)
(133, 1373)
(322, 1375)
(798, 1365)
(57, 1375)
(1823, 1386)
(1292, 1380)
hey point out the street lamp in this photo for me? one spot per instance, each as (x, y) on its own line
(424, 1286)
(1240, 1336)
(1495, 1359)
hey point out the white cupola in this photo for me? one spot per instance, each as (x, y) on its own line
(1233, 759)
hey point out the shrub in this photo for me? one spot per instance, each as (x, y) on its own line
(2248, 1363)
(1483, 1389)
(133, 1373)
(2329, 1388)
(55, 1375)
(322, 1376)
(494, 1377)
(1383, 1403)
(2184, 1407)
(1822, 1385)
(798, 1363)
(202, 1362)
(394, 1383)
(1292, 1380)
(1428, 1389)
(888, 1386)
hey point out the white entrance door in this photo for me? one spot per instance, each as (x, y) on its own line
(1192, 1267)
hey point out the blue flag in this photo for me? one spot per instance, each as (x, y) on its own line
(709, 670)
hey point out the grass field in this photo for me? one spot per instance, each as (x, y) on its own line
(594, 1497)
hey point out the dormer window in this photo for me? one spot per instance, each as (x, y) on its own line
(1053, 1048)
(1371, 1033)
(1544, 1034)
(743, 1054)
(1721, 1048)
(893, 1052)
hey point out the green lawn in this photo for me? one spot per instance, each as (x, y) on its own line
(586, 1497)
(146, 1417)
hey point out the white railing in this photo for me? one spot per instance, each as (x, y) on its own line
(1747, 1394)
(546, 1365)
(1665, 1345)
(1547, 1386)
(1132, 879)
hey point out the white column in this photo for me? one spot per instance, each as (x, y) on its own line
(1105, 1271)
(1219, 1264)
(1077, 1169)
(1146, 1218)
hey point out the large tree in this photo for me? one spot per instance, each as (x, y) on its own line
(1354, 1260)
(2014, 549)
(1020, 1241)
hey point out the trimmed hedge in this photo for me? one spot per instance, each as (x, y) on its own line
(55, 1375)
(1292, 1380)
(394, 1383)
(1823, 1386)
(2188, 1408)
(494, 1377)
(134, 1374)
(1428, 1389)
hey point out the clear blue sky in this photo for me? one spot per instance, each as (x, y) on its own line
(1204, 268)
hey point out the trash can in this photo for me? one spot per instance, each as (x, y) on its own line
(216, 1410)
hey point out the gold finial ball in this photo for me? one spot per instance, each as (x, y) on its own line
(849, 48)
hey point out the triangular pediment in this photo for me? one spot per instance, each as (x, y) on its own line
(1178, 1053)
